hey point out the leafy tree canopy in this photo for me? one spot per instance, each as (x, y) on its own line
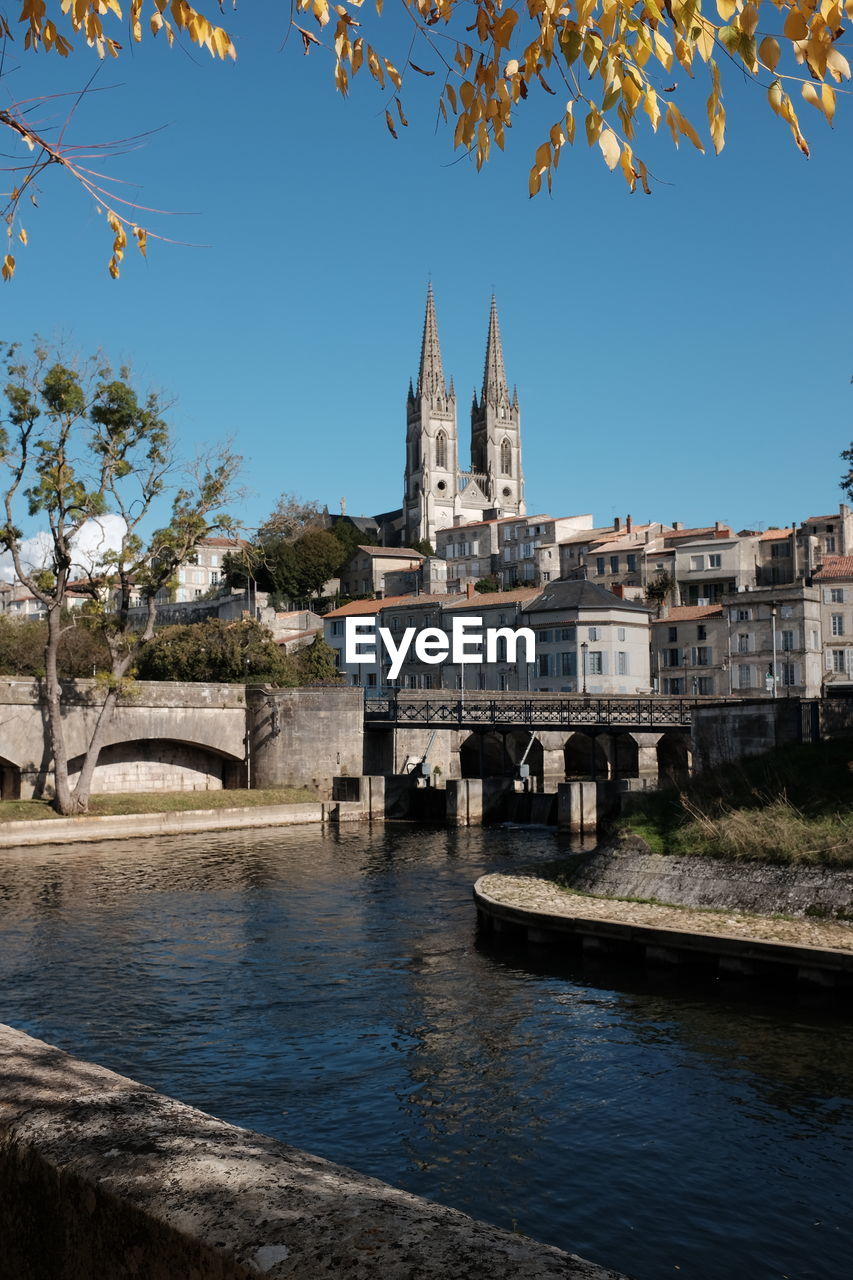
(485, 585)
(606, 70)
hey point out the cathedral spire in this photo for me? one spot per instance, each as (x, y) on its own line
(431, 374)
(494, 374)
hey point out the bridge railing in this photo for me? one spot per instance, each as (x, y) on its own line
(541, 711)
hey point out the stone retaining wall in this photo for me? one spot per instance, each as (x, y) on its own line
(758, 887)
(104, 1179)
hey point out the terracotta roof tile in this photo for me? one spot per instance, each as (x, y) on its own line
(484, 599)
(835, 567)
(367, 607)
(689, 612)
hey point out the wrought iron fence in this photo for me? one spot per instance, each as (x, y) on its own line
(531, 713)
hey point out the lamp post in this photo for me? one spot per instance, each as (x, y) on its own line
(773, 630)
(584, 651)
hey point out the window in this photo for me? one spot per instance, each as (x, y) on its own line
(788, 673)
(830, 544)
(672, 635)
(744, 615)
(395, 624)
(744, 677)
(701, 632)
(787, 641)
(371, 680)
(599, 564)
(614, 564)
(673, 685)
(704, 656)
(787, 611)
(214, 560)
(715, 561)
(743, 642)
(596, 662)
(838, 659)
(545, 664)
(546, 636)
(528, 550)
(546, 577)
(214, 577)
(565, 633)
(697, 563)
(441, 451)
(621, 664)
(838, 624)
(631, 563)
(506, 458)
(620, 633)
(670, 658)
(594, 633)
(568, 664)
(706, 685)
(780, 549)
(836, 595)
(338, 627)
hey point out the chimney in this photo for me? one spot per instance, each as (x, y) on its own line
(629, 523)
(677, 526)
(469, 590)
(717, 526)
(616, 524)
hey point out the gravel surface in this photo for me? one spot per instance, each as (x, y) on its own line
(533, 893)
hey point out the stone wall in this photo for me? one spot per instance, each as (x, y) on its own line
(104, 1179)
(759, 887)
(728, 731)
(305, 737)
(154, 766)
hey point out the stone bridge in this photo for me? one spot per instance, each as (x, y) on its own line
(487, 733)
(163, 736)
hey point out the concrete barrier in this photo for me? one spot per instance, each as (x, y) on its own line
(104, 1179)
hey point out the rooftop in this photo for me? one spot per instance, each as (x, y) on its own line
(570, 593)
(408, 553)
(835, 567)
(691, 612)
(358, 608)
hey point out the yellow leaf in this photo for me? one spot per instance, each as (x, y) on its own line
(796, 27)
(726, 9)
(811, 95)
(8, 269)
(768, 52)
(511, 68)
(390, 123)
(22, 236)
(837, 66)
(610, 148)
(651, 108)
(828, 95)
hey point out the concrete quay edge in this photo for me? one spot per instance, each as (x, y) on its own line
(102, 1176)
(125, 826)
(808, 961)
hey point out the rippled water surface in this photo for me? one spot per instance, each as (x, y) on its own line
(330, 990)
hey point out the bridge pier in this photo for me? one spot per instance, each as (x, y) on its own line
(647, 756)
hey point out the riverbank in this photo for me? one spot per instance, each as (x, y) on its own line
(158, 822)
(792, 806)
(538, 909)
(111, 805)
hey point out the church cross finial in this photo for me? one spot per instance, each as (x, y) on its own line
(431, 373)
(494, 374)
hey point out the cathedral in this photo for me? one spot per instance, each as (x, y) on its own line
(437, 493)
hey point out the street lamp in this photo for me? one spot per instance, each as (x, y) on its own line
(773, 630)
(584, 650)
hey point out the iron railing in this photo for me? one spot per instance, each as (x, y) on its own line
(534, 713)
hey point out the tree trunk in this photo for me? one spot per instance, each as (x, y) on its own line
(63, 802)
(96, 742)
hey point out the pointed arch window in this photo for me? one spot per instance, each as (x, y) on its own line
(441, 450)
(506, 458)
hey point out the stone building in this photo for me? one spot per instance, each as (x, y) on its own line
(364, 573)
(834, 581)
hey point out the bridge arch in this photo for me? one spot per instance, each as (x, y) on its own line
(161, 764)
(495, 754)
(586, 756)
(675, 758)
(10, 780)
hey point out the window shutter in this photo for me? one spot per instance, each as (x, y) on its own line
(827, 597)
(827, 659)
(604, 664)
(693, 657)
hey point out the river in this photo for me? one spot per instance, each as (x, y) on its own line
(329, 989)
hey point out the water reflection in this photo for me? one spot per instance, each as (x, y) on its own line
(329, 989)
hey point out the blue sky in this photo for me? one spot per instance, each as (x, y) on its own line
(685, 356)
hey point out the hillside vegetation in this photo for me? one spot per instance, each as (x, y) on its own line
(792, 805)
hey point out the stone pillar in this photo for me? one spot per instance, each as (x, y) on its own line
(553, 759)
(577, 807)
(647, 756)
(464, 802)
(375, 797)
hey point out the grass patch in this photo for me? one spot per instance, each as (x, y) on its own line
(159, 802)
(793, 805)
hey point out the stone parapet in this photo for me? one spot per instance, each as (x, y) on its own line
(102, 1177)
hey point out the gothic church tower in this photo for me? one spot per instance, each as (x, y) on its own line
(437, 494)
(496, 429)
(431, 442)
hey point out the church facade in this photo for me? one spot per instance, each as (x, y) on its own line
(437, 492)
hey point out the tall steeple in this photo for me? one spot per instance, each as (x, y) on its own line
(431, 373)
(494, 374)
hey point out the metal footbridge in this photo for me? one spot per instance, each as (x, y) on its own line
(502, 711)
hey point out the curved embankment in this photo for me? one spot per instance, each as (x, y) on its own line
(102, 1177)
(547, 906)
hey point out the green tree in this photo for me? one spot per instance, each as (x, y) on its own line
(223, 652)
(77, 443)
(317, 663)
(485, 585)
(659, 589)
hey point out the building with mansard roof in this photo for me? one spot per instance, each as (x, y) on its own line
(438, 493)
